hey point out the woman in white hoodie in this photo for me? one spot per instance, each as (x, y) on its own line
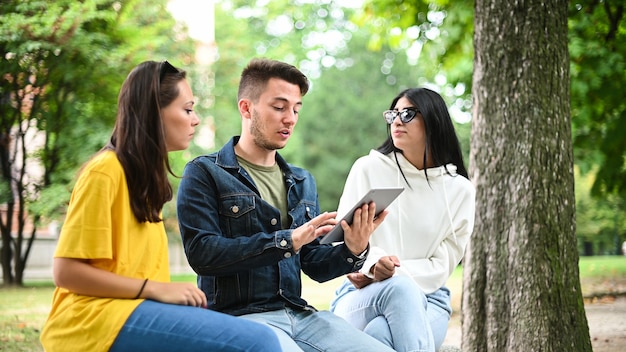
(399, 295)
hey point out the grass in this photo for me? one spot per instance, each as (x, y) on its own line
(23, 311)
(607, 267)
(602, 275)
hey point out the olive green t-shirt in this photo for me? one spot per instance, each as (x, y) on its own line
(269, 181)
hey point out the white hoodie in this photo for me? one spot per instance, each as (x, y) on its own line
(428, 225)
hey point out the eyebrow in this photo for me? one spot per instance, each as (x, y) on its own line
(285, 100)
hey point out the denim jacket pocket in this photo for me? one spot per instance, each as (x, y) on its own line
(237, 213)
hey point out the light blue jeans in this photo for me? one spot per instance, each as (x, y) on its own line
(155, 326)
(313, 331)
(397, 312)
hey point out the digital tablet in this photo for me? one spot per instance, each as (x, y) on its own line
(381, 196)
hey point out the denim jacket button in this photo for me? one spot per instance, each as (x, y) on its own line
(274, 221)
(287, 255)
(350, 260)
(283, 243)
(235, 209)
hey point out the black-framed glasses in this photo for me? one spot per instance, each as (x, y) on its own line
(405, 115)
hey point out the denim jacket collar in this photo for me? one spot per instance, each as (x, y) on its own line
(227, 159)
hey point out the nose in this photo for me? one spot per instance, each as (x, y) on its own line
(290, 117)
(195, 121)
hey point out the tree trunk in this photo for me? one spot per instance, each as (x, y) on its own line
(521, 281)
(6, 253)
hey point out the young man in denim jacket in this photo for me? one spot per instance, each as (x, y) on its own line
(250, 222)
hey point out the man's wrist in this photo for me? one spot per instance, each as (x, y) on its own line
(363, 254)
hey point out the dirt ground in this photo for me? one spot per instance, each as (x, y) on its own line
(606, 318)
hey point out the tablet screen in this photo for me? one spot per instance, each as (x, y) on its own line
(383, 197)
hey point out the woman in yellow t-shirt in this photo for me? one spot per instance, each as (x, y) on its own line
(111, 264)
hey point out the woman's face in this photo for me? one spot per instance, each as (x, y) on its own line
(410, 137)
(179, 119)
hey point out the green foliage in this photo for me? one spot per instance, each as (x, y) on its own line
(62, 64)
(598, 71)
(310, 36)
(77, 54)
(597, 33)
(435, 34)
(600, 227)
(341, 116)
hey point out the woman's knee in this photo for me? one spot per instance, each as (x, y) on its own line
(378, 328)
(405, 289)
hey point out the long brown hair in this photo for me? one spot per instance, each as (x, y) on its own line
(138, 137)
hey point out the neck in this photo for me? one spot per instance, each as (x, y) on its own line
(255, 154)
(416, 158)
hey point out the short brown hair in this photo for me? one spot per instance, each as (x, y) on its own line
(255, 76)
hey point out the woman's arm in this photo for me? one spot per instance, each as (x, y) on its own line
(78, 276)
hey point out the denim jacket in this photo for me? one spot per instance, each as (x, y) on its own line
(234, 241)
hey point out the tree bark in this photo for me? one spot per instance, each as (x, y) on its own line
(521, 281)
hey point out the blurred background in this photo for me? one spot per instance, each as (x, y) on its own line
(62, 63)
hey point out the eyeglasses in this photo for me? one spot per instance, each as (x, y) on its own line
(405, 115)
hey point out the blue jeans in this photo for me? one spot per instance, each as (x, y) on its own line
(397, 312)
(155, 326)
(313, 331)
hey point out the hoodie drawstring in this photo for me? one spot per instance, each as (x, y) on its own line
(445, 197)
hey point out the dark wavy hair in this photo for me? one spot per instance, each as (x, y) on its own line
(442, 143)
(138, 137)
(255, 76)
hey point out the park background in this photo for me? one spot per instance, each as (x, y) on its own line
(63, 62)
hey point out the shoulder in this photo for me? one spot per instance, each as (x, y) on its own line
(373, 160)
(206, 158)
(104, 159)
(103, 170)
(462, 186)
(299, 172)
(105, 162)
(292, 170)
(206, 161)
(464, 182)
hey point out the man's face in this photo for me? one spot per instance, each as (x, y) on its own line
(275, 114)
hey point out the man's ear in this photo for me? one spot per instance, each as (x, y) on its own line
(245, 108)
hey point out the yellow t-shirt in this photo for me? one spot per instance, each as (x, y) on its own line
(101, 227)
